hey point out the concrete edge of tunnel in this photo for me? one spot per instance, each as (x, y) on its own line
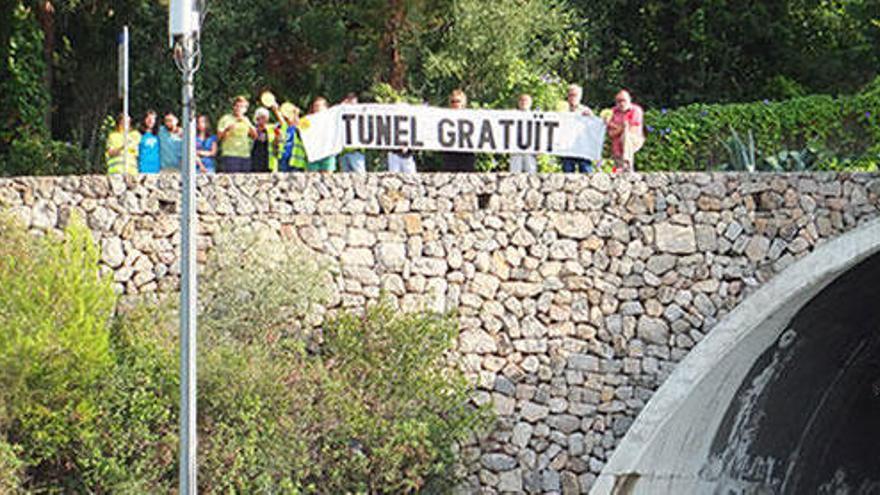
(740, 338)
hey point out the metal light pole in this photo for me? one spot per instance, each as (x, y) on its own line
(184, 27)
(123, 93)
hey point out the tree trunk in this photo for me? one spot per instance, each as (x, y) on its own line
(46, 16)
(393, 28)
(7, 11)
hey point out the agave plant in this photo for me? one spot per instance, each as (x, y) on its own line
(741, 153)
(803, 160)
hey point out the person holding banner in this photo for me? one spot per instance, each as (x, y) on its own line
(352, 160)
(148, 149)
(236, 135)
(326, 165)
(571, 165)
(457, 161)
(625, 131)
(122, 159)
(524, 162)
(401, 162)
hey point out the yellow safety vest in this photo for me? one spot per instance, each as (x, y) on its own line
(116, 164)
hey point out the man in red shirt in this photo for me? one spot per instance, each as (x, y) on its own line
(625, 128)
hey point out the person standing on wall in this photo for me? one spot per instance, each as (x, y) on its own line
(571, 165)
(263, 141)
(206, 146)
(352, 160)
(625, 128)
(170, 144)
(115, 153)
(236, 135)
(327, 165)
(293, 154)
(148, 149)
(522, 162)
(402, 161)
(458, 161)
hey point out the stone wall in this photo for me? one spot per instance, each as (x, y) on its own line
(576, 294)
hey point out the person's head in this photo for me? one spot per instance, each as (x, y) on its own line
(150, 121)
(290, 112)
(203, 125)
(623, 100)
(350, 99)
(170, 121)
(525, 101)
(457, 99)
(239, 106)
(261, 117)
(121, 120)
(575, 93)
(319, 104)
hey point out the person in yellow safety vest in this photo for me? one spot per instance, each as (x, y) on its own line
(114, 155)
(291, 157)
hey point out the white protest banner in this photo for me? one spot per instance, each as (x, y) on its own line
(414, 127)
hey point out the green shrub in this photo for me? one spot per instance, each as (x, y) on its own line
(54, 344)
(36, 155)
(845, 127)
(90, 409)
(398, 406)
(376, 409)
(11, 469)
(136, 451)
(90, 399)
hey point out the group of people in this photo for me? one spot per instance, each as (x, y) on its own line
(241, 145)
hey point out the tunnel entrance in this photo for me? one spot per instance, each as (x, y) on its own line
(806, 419)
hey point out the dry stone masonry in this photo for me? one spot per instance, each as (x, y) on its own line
(576, 295)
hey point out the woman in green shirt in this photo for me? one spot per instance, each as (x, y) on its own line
(236, 135)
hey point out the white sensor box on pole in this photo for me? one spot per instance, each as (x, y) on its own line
(183, 18)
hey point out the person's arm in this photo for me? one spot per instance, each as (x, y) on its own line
(112, 149)
(614, 129)
(224, 127)
(277, 111)
(587, 111)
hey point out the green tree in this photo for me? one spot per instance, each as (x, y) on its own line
(538, 42)
(684, 51)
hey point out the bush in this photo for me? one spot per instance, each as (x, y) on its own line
(11, 469)
(136, 451)
(40, 156)
(88, 402)
(375, 409)
(54, 345)
(399, 409)
(845, 127)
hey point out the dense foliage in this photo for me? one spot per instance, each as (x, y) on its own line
(58, 57)
(843, 131)
(88, 402)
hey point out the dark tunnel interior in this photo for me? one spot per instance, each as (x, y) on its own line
(807, 417)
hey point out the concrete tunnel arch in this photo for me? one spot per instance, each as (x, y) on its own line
(783, 396)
